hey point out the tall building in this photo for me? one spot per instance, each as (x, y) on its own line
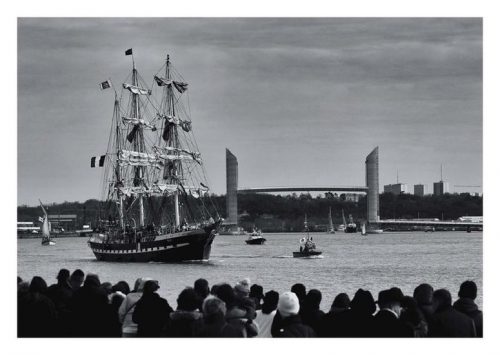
(441, 188)
(231, 189)
(372, 198)
(419, 190)
(396, 189)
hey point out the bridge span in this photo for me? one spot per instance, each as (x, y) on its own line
(354, 189)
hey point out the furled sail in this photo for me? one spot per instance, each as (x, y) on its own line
(136, 90)
(185, 125)
(137, 121)
(160, 189)
(157, 159)
(180, 86)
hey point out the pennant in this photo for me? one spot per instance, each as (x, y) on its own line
(101, 160)
(128, 51)
(105, 85)
(180, 86)
(92, 162)
(40, 219)
(202, 184)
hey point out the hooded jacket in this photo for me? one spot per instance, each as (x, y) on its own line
(469, 308)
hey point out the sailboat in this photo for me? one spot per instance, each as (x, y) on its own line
(363, 229)
(307, 246)
(46, 239)
(331, 229)
(155, 186)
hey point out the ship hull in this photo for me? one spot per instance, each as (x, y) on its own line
(256, 241)
(303, 254)
(169, 248)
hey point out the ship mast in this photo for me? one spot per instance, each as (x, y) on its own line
(174, 141)
(138, 143)
(118, 182)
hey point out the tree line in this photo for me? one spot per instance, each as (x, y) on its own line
(286, 212)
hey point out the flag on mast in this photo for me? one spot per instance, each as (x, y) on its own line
(105, 85)
(128, 51)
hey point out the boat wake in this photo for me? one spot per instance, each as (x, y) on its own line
(283, 256)
(238, 256)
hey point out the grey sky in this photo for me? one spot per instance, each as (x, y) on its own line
(298, 101)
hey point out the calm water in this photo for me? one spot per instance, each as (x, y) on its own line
(374, 262)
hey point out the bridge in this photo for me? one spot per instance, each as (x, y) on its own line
(353, 189)
(371, 189)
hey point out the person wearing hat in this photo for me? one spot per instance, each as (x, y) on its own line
(290, 324)
(331, 323)
(387, 322)
(151, 312)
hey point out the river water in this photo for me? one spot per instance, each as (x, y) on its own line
(349, 262)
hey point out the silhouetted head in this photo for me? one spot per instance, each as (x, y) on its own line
(150, 286)
(213, 290)
(270, 301)
(188, 300)
(442, 299)
(107, 287)
(300, 290)
(226, 293)
(19, 280)
(340, 303)
(256, 291)
(121, 286)
(77, 278)
(423, 294)
(363, 302)
(201, 288)
(313, 299)
(213, 308)
(468, 289)
(63, 275)
(38, 285)
(92, 280)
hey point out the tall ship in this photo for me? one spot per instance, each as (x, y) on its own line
(154, 183)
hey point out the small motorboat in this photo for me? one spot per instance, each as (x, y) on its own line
(307, 246)
(255, 238)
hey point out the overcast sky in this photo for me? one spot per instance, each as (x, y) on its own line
(298, 101)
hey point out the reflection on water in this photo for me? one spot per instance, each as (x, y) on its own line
(348, 262)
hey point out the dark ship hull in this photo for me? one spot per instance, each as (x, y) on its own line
(305, 254)
(168, 248)
(350, 229)
(255, 241)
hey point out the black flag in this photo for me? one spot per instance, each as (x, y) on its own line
(101, 160)
(128, 51)
(92, 162)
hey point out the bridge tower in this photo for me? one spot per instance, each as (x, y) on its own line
(372, 196)
(231, 189)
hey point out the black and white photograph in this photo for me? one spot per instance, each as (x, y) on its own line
(252, 177)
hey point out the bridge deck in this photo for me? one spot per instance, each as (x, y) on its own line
(359, 189)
